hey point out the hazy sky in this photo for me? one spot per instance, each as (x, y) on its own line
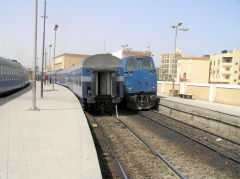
(85, 24)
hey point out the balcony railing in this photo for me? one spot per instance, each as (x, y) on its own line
(226, 72)
(226, 64)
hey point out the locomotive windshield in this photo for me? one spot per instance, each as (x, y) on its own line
(132, 64)
(147, 64)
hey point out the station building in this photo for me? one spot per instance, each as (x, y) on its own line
(67, 60)
(225, 67)
(30, 74)
(168, 65)
(193, 69)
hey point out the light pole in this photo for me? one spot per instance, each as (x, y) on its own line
(104, 46)
(44, 20)
(174, 62)
(124, 46)
(55, 29)
(49, 63)
(34, 107)
(45, 60)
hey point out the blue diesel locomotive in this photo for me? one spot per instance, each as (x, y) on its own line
(12, 76)
(140, 82)
(97, 81)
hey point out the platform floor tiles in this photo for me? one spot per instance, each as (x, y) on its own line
(54, 142)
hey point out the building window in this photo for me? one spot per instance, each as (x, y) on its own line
(235, 80)
(227, 77)
(235, 71)
(184, 75)
(236, 63)
(227, 60)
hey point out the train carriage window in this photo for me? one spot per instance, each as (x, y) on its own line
(7, 76)
(147, 64)
(1, 73)
(132, 64)
(79, 79)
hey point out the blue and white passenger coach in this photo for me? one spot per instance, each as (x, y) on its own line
(12, 75)
(140, 82)
(97, 81)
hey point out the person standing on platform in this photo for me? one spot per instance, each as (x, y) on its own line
(46, 79)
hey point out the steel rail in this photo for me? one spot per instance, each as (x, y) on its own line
(106, 140)
(222, 137)
(153, 150)
(185, 135)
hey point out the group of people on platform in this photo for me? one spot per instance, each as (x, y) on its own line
(46, 79)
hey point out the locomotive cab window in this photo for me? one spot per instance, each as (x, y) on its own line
(147, 64)
(132, 64)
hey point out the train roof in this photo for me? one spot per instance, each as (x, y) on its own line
(7, 62)
(63, 71)
(99, 61)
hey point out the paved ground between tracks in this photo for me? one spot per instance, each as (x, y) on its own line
(54, 142)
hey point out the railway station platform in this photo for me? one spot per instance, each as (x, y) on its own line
(54, 142)
(221, 116)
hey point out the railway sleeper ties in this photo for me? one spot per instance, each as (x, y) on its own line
(227, 139)
(153, 150)
(187, 136)
(106, 140)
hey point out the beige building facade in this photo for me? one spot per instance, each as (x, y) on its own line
(67, 60)
(225, 67)
(129, 52)
(193, 69)
(168, 65)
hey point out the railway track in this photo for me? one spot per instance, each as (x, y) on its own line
(108, 143)
(220, 144)
(136, 138)
(14, 94)
(127, 135)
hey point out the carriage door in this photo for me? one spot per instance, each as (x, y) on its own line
(104, 83)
